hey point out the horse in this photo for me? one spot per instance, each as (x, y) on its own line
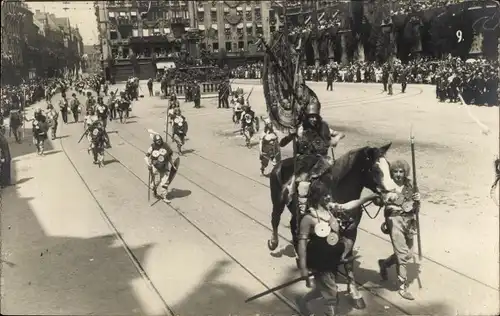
(360, 168)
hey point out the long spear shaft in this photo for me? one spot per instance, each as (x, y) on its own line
(415, 190)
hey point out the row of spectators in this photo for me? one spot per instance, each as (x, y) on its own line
(403, 7)
(192, 74)
(477, 80)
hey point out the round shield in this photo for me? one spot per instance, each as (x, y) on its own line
(322, 229)
(162, 151)
(161, 158)
(155, 153)
(332, 239)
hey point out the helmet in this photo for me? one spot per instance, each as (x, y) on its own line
(313, 108)
(157, 138)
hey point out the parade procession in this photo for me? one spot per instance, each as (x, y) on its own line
(331, 158)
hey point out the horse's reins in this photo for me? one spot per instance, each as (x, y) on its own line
(366, 211)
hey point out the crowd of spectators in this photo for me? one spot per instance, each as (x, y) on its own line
(193, 74)
(402, 7)
(476, 79)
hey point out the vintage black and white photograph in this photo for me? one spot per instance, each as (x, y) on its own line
(250, 158)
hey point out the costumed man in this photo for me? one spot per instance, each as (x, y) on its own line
(173, 102)
(90, 103)
(319, 249)
(40, 129)
(52, 119)
(314, 138)
(98, 139)
(238, 105)
(75, 107)
(179, 125)
(123, 106)
(247, 116)
(158, 158)
(400, 223)
(102, 112)
(269, 149)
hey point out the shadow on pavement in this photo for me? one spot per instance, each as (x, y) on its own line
(178, 193)
(53, 152)
(26, 147)
(43, 274)
(214, 296)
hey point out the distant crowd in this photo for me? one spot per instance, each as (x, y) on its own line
(476, 80)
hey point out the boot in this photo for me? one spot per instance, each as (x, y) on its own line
(383, 269)
(405, 292)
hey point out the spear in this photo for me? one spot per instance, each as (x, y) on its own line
(415, 190)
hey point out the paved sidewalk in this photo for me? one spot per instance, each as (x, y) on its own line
(58, 255)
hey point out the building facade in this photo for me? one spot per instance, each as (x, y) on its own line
(232, 26)
(141, 28)
(147, 28)
(16, 22)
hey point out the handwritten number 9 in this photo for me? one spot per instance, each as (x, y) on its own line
(459, 36)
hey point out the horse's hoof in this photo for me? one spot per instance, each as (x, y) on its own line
(272, 244)
(359, 303)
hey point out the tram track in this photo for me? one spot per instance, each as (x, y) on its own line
(264, 185)
(134, 259)
(231, 205)
(244, 214)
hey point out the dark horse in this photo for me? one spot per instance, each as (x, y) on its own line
(357, 169)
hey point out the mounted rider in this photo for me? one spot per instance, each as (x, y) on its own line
(314, 138)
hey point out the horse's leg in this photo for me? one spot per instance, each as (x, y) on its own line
(278, 209)
(352, 287)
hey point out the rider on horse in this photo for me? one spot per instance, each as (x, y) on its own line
(314, 138)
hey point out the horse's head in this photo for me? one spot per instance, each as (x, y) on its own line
(376, 171)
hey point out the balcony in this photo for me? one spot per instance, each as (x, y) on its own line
(180, 20)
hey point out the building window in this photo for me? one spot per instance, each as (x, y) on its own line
(228, 47)
(249, 30)
(213, 16)
(113, 35)
(272, 28)
(201, 16)
(135, 33)
(257, 14)
(126, 52)
(248, 15)
(241, 45)
(215, 46)
(259, 30)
